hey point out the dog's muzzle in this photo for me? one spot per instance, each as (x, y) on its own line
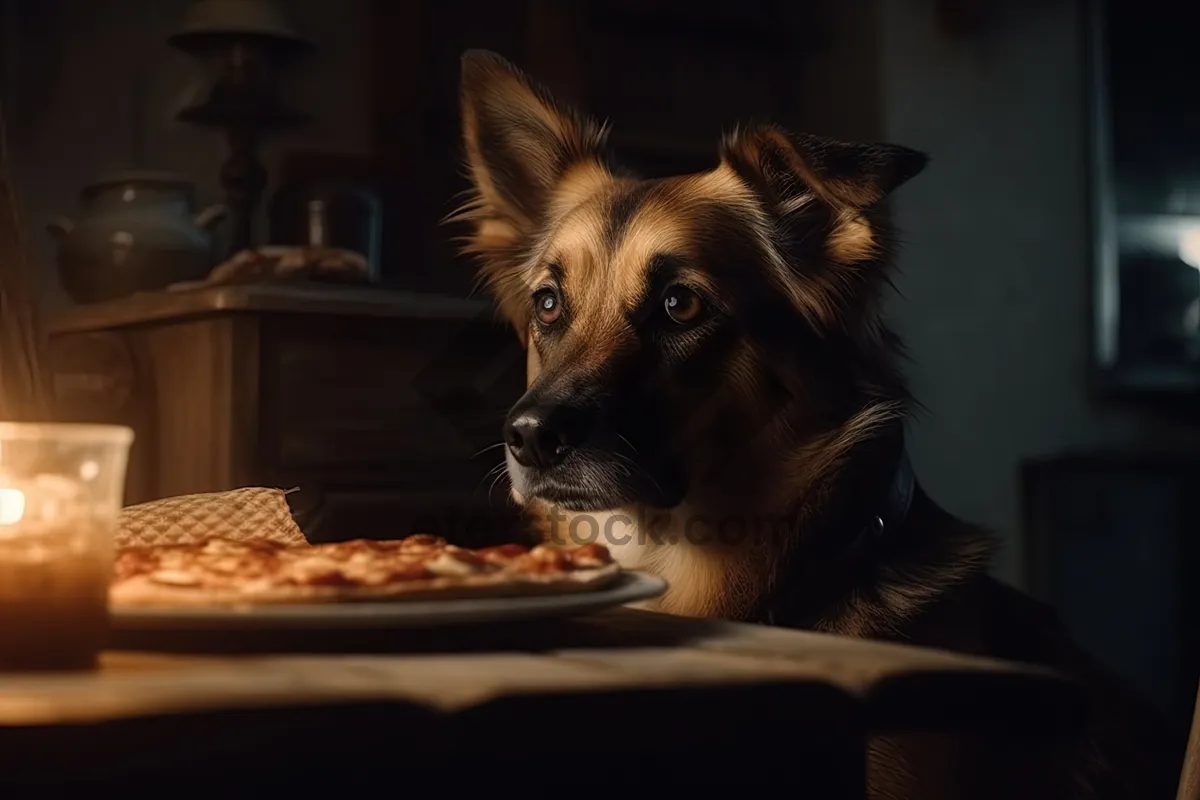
(541, 435)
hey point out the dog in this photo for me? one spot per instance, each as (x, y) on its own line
(713, 391)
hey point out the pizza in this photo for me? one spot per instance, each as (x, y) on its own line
(217, 571)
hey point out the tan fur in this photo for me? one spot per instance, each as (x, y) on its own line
(852, 241)
(580, 183)
(533, 363)
(657, 229)
(704, 581)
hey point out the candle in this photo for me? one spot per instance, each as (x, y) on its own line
(61, 489)
(12, 506)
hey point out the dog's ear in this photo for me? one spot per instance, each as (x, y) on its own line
(813, 185)
(521, 145)
(789, 169)
(519, 140)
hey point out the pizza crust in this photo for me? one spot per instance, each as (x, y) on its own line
(141, 591)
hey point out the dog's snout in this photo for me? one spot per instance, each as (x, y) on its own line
(531, 443)
(541, 437)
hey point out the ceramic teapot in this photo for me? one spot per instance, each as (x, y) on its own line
(137, 231)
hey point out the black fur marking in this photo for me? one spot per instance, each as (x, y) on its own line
(781, 166)
(885, 167)
(660, 273)
(622, 208)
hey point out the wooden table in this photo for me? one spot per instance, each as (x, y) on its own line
(623, 695)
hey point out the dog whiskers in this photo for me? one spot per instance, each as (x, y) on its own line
(488, 448)
(495, 473)
(500, 475)
(635, 467)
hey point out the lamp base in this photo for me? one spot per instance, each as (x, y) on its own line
(224, 109)
(244, 114)
(243, 177)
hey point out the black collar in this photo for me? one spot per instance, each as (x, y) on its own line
(892, 512)
(885, 518)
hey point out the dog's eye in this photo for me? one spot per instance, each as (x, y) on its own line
(683, 305)
(546, 306)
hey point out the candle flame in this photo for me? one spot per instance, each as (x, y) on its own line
(12, 506)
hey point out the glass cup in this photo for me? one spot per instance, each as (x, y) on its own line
(61, 489)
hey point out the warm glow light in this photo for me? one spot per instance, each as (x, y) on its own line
(12, 506)
(88, 470)
(1189, 247)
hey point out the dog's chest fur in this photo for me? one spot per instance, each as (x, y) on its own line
(704, 579)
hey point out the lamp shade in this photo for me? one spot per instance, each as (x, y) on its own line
(211, 24)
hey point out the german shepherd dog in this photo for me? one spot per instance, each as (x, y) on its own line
(711, 387)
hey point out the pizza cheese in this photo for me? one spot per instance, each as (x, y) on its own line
(219, 571)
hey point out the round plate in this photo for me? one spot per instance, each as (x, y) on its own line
(628, 588)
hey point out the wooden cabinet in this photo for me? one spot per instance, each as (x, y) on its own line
(1112, 543)
(381, 408)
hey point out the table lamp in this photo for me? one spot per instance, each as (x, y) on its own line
(244, 46)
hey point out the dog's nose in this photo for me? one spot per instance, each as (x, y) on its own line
(542, 437)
